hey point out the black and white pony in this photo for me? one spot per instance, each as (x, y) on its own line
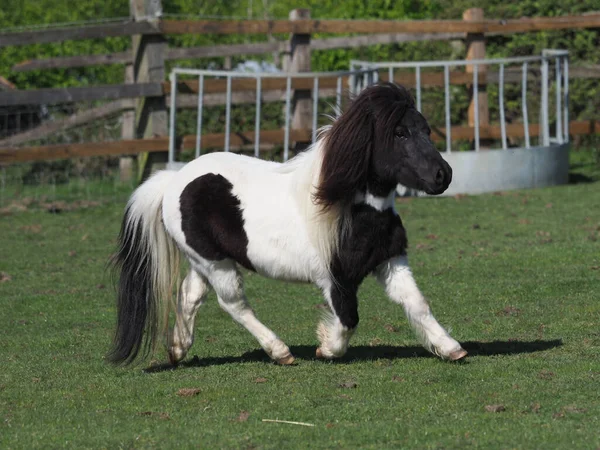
(326, 217)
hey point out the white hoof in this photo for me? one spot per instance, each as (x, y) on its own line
(279, 352)
(286, 360)
(334, 340)
(176, 354)
(457, 355)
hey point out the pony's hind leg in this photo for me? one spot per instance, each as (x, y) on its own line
(228, 284)
(192, 294)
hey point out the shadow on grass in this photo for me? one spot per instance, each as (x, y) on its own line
(368, 353)
(578, 178)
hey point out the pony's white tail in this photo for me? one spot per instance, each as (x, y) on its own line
(147, 263)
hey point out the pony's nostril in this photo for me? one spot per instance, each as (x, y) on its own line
(439, 177)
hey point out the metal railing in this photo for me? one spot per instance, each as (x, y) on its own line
(203, 75)
(560, 59)
(364, 73)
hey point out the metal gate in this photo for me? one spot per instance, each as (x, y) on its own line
(559, 59)
(320, 84)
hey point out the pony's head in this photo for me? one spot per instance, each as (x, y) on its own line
(379, 142)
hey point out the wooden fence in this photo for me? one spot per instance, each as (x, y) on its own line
(245, 141)
(146, 92)
(300, 26)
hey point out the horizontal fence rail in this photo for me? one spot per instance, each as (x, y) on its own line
(246, 142)
(225, 50)
(141, 90)
(162, 26)
(51, 96)
(61, 34)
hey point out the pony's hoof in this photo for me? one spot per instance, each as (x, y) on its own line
(287, 360)
(320, 355)
(175, 358)
(172, 360)
(457, 355)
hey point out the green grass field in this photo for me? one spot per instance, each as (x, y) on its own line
(515, 275)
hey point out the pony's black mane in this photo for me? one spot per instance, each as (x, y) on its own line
(367, 125)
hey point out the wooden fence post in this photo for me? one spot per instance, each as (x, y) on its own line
(149, 66)
(300, 62)
(127, 162)
(476, 50)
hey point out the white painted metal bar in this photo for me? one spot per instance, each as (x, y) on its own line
(418, 86)
(286, 141)
(351, 79)
(447, 104)
(476, 104)
(172, 112)
(257, 119)
(315, 109)
(524, 106)
(367, 67)
(544, 104)
(359, 81)
(280, 75)
(199, 118)
(566, 99)
(501, 105)
(559, 130)
(464, 62)
(338, 97)
(555, 52)
(228, 113)
(391, 74)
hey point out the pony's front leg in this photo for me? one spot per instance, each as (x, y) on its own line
(338, 325)
(397, 278)
(193, 291)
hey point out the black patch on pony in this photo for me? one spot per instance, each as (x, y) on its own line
(212, 221)
(375, 237)
(136, 312)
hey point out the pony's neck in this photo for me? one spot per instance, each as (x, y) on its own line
(322, 225)
(380, 203)
(306, 170)
(380, 186)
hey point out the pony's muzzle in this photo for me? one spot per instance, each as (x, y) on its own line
(440, 176)
(441, 179)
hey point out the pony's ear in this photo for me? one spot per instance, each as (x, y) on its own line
(346, 156)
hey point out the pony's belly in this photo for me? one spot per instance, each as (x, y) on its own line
(281, 259)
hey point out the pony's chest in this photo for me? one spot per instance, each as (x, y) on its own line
(374, 237)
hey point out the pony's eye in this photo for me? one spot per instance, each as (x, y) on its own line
(401, 134)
